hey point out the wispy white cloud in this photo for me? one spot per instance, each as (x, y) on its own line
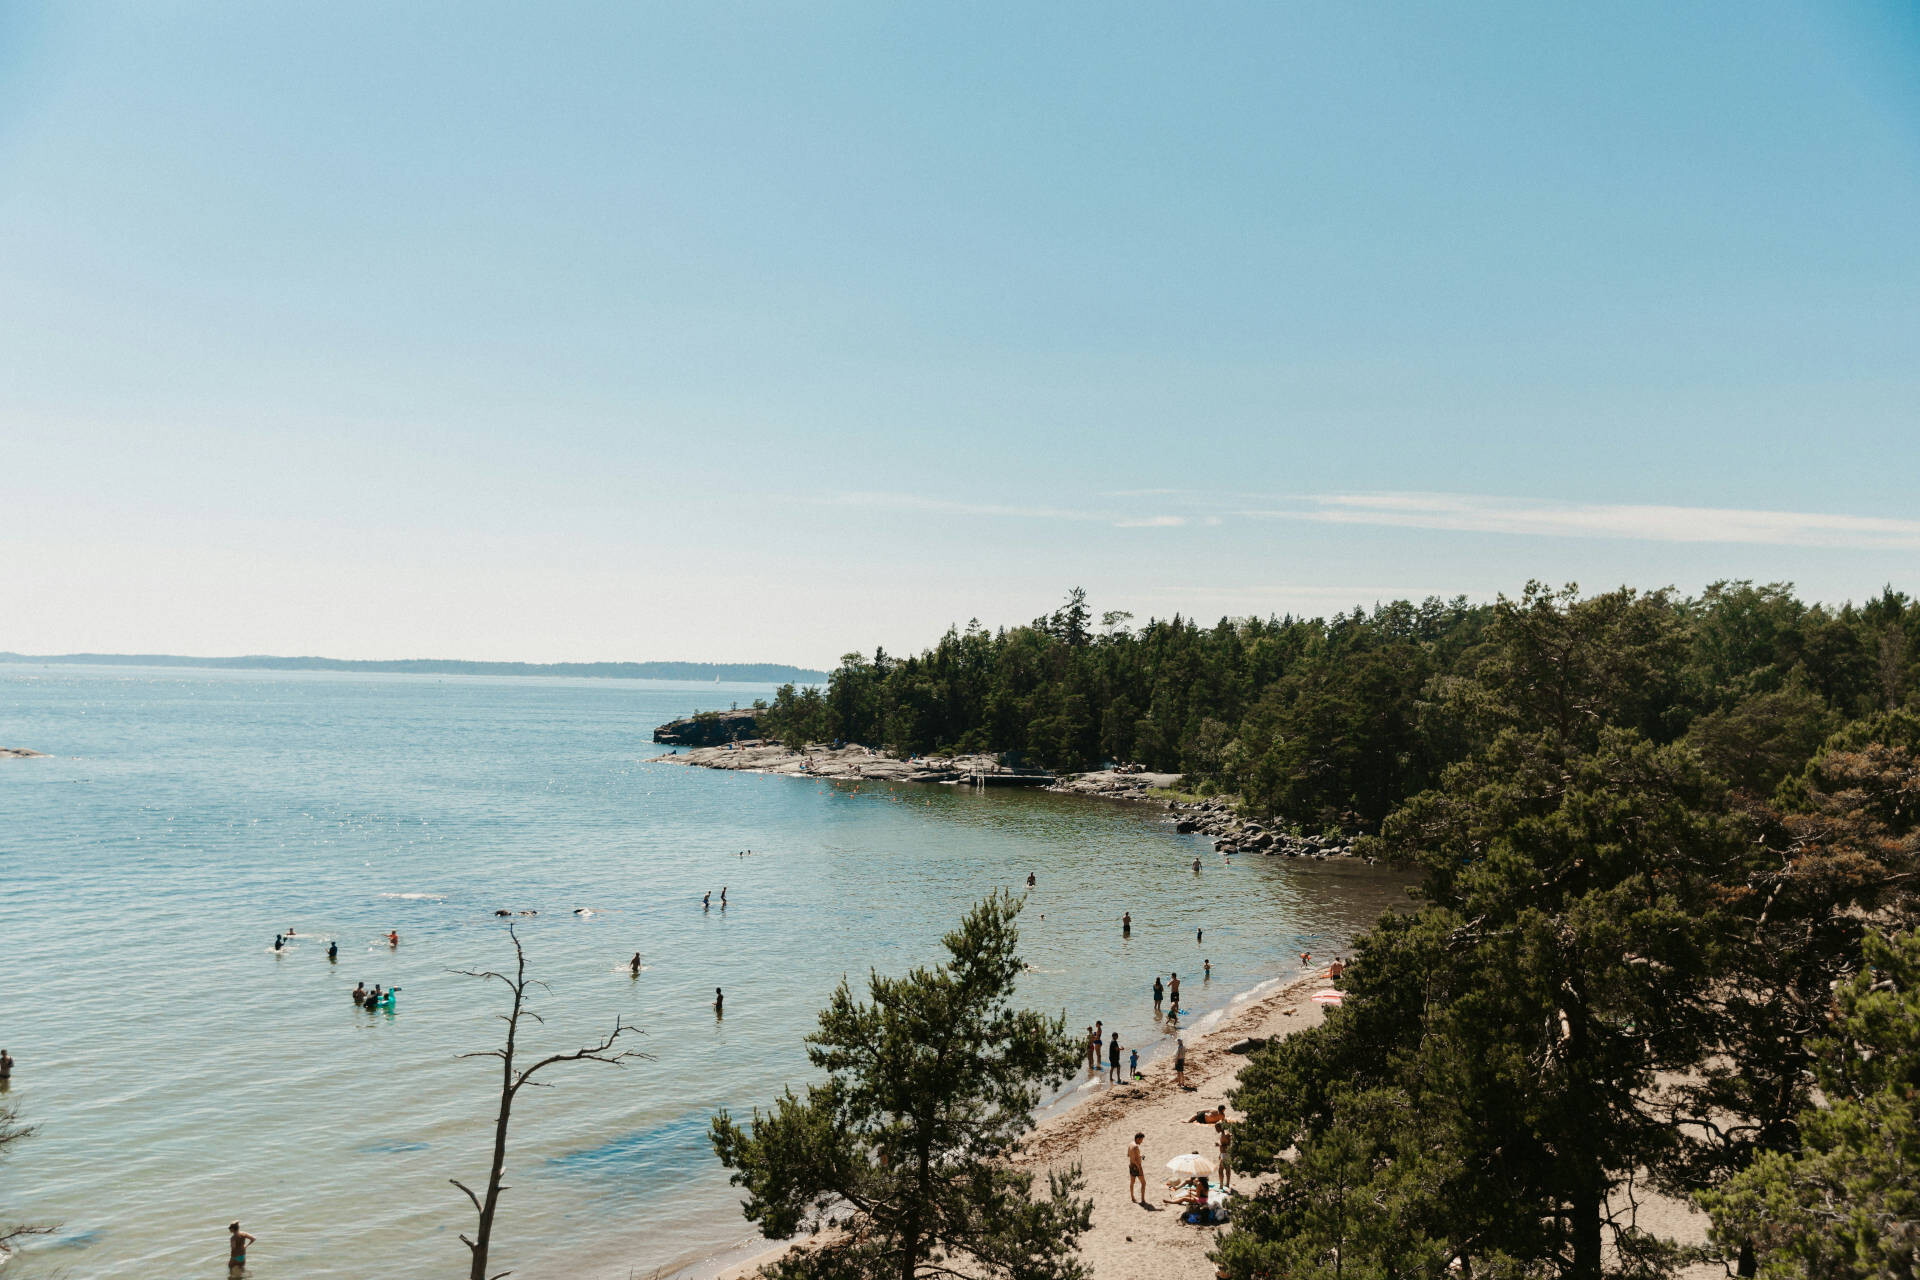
(1440, 512)
(1468, 513)
(946, 506)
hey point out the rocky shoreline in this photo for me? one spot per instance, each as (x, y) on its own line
(1235, 833)
(1230, 831)
(19, 753)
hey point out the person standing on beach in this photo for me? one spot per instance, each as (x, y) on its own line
(1093, 1045)
(1137, 1169)
(1113, 1059)
(1226, 1153)
(1133, 1064)
(237, 1242)
(1335, 969)
(1180, 1063)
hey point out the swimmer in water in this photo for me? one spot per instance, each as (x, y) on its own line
(359, 993)
(1196, 864)
(1207, 976)
(6, 1065)
(278, 942)
(1030, 880)
(333, 952)
(719, 999)
(1126, 925)
(393, 937)
(1199, 935)
(634, 964)
(723, 897)
(706, 899)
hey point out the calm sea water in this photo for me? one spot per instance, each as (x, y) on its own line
(183, 1075)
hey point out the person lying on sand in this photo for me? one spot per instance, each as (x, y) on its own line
(1209, 1116)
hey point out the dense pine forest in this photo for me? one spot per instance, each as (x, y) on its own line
(1332, 723)
(1664, 938)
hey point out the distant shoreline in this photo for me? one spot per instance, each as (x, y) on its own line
(732, 672)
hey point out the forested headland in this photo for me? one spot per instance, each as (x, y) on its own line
(1331, 723)
(1665, 935)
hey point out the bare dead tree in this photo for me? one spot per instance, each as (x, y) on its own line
(12, 1131)
(512, 1079)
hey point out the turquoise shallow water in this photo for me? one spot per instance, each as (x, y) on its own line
(183, 1075)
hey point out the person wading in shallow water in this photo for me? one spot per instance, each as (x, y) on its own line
(719, 1000)
(237, 1242)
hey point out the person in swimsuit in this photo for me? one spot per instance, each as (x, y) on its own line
(1180, 1062)
(719, 999)
(393, 937)
(237, 1242)
(1226, 1154)
(1196, 864)
(1199, 935)
(1094, 1044)
(706, 900)
(723, 897)
(6, 1065)
(634, 964)
(1159, 992)
(359, 993)
(1206, 974)
(278, 942)
(333, 952)
(1137, 1169)
(1173, 994)
(1030, 880)
(1126, 925)
(373, 997)
(1335, 969)
(1133, 1064)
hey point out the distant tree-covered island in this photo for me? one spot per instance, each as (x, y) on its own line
(1332, 723)
(733, 672)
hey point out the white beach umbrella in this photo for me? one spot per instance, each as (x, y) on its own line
(1193, 1165)
(1329, 996)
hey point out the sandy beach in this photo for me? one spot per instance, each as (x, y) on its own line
(1126, 1240)
(1129, 1241)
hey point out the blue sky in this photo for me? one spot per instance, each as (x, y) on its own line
(767, 331)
